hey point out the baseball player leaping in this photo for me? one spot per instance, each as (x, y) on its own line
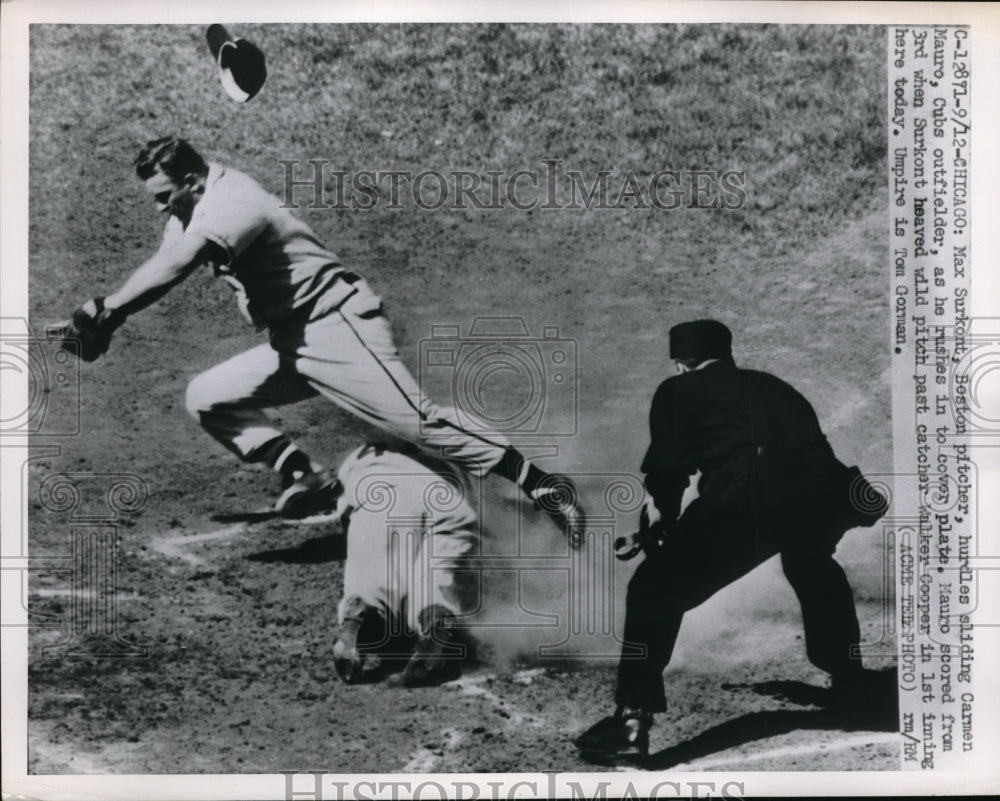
(328, 336)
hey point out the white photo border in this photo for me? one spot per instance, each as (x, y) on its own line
(984, 20)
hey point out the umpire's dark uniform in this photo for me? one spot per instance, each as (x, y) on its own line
(770, 483)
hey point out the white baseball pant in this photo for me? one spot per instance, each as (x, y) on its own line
(348, 356)
(402, 569)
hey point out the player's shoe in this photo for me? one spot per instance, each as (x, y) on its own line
(625, 733)
(437, 656)
(314, 493)
(558, 497)
(353, 660)
(865, 695)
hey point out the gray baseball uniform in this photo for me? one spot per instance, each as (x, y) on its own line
(328, 336)
(412, 522)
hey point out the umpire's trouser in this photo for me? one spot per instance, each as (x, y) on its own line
(704, 554)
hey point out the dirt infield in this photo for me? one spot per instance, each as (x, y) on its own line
(220, 657)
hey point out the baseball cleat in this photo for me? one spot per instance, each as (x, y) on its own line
(350, 661)
(865, 694)
(314, 493)
(624, 733)
(558, 497)
(437, 657)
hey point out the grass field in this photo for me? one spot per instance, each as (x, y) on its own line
(237, 620)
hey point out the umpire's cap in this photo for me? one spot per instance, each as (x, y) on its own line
(241, 64)
(700, 339)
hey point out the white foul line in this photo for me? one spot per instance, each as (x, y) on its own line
(174, 544)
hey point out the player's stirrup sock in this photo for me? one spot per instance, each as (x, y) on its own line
(514, 467)
(292, 463)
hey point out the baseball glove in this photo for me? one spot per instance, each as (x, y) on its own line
(87, 334)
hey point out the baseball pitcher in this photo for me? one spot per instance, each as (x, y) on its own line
(327, 336)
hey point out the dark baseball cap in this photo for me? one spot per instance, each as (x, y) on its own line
(241, 64)
(700, 339)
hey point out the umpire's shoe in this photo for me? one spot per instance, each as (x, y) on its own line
(624, 733)
(314, 493)
(866, 696)
(353, 662)
(558, 497)
(438, 654)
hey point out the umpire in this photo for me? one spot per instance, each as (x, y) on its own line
(770, 483)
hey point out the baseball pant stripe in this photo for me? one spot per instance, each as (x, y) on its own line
(437, 418)
(349, 357)
(423, 415)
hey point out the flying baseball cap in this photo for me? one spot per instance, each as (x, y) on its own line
(700, 339)
(241, 64)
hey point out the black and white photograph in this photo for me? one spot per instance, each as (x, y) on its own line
(600, 403)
